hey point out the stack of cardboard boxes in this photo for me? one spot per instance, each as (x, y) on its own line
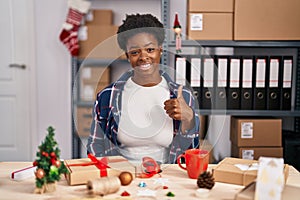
(210, 19)
(92, 79)
(98, 42)
(255, 137)
(243, 20)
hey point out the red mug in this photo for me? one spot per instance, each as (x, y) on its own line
(196, 162)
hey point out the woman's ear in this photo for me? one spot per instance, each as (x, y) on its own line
(160, 50)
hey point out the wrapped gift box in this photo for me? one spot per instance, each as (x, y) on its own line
(238, 171)
(288, 193)
(84, 169)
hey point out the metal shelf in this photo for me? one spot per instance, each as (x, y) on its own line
(231, 43)
(277, 113)
(84, 103)
(99, 61)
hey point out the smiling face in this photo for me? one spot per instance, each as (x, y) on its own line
(144, 53)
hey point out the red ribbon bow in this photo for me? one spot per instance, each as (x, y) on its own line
(101, 164)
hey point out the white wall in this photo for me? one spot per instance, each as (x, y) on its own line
(53, 74)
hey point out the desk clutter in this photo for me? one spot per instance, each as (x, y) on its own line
(118, 183)
(117, 177)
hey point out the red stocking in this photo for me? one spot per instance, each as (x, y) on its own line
(69, 34)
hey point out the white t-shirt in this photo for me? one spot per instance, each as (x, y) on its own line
(145, 129)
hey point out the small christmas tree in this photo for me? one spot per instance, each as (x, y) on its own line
(49, 166)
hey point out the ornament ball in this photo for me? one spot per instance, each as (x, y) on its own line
(125, 178)
(40, 173)
(57, 163)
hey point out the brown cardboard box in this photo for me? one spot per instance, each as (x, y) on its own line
(89, 90)
(100, 17)
(79, 175)
(84, 119)
(289, 193)
(267, 20)
(210, 26)
(253, 153)
(256, 132)
(93, 79)
(227, 172)
(210, 5)
(101, 43)
(95, 74)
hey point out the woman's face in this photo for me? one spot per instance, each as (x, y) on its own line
(144, 53)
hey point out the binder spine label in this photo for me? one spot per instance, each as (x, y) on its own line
(222, 72)
(235, 73)
(195, 72)
(260, 73)
(274, 73)
(180, 70)
(287, 74)
(247, 73)
(208, 74)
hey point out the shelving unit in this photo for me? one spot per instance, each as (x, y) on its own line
(197, 47)
(76, 63)
(271, 47)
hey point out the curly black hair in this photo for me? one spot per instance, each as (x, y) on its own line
(140, 23)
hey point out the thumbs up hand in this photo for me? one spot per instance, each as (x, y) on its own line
(179, 110)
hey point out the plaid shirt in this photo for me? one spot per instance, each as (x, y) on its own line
(106, 115)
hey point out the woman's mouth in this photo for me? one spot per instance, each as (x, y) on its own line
(144, 66)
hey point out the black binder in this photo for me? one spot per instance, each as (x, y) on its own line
(247, 83)
(194, 63)
(273, 83)
(207, 71)
(221, 82)
(259, 97)
(286, 88)
(234, 92)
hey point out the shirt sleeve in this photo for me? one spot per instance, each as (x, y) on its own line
(96, 140)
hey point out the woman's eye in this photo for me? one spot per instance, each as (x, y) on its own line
(134, 52)
(150, 50)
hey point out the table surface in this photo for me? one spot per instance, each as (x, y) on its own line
(177, 182)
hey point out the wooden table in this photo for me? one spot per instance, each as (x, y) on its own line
(178, 183)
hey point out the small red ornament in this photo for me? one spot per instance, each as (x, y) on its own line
(165, 187)
(57, 163)
(45, 154)
(52, 154)
(35, 163)
(125, 194)
(53, 160)
(40, 173)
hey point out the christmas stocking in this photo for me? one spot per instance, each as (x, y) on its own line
(68, 36)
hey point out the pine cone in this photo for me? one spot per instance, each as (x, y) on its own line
(206, 180)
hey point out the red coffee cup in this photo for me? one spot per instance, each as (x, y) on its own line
(196, 162)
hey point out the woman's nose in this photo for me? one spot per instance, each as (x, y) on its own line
(144, 54)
